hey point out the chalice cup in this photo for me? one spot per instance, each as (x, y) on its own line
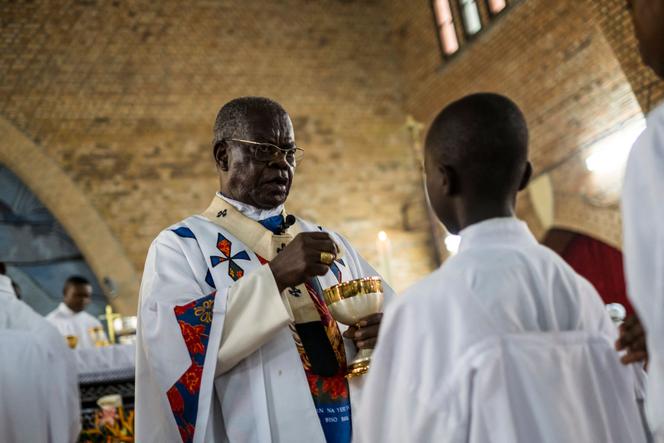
(351, 301)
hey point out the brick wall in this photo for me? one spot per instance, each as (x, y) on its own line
(122, 96)
(616, 24)
(552, 58)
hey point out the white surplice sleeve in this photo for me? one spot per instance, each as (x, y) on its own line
(60, 406)
(6, 286)
(161, 354)
(168, 281)
(391, 409)
(643, 245)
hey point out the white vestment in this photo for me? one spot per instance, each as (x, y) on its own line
(436, 341)
(240, 359)
(643, 229)
(79, 324)
(39, 400)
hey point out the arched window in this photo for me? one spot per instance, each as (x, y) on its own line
(39, 254)
(445, 25)
(458, 21)
(496, 6)
(472, 22)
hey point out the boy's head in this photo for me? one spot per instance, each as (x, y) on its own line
(649, 26)
(476, 160)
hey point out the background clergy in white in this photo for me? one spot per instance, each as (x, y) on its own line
(70, 317)
(39, 399)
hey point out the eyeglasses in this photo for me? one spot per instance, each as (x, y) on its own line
(267, 152)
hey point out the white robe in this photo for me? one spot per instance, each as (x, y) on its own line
(253, 386)
(500, 283)
(78, 324)
(643, 229)
(39, 400)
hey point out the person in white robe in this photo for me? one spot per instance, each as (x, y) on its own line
(643, 221)
(70, 317)
(39, 399)
(505, 342)
(234, 342)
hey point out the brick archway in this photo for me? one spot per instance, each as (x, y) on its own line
(570, 211)
(604, 224)
(67, 203)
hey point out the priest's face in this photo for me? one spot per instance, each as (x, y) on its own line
(77, 296)
(649, 26)
(248, 178)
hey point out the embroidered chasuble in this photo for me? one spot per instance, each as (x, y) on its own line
(222, 356)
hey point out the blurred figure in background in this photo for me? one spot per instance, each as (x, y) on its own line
(39, 400)
(70, 317)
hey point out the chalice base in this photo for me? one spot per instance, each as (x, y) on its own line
(360, 364)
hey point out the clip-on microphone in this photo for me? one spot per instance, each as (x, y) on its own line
(287, 223)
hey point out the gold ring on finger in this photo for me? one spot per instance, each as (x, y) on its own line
(327, 257)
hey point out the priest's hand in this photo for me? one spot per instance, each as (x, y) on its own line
(301, 259)
(632, 339)
(365, 332)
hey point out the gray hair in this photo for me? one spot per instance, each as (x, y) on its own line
(232, 119)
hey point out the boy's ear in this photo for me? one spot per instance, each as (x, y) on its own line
(527, 174)
(450, 180)
(221, 155)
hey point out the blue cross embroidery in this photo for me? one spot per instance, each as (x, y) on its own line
(224, 245)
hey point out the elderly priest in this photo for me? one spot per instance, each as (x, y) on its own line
(234, 341)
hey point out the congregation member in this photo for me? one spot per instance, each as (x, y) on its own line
(235, 343)
(39, 399)
(643, 224)
(505, 342)
(70, 317)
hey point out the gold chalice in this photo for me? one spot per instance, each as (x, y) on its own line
(351, 301)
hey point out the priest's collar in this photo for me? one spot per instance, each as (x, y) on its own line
(496, 231)
(252, 212)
